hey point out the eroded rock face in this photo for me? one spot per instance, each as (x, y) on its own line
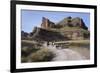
(68, 21)
(78, 22)
(47, 35)
(46, 23)
(45, 32)
(73, 22)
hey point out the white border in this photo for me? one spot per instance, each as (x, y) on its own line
(20, 65)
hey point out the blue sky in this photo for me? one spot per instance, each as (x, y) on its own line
(32, 18)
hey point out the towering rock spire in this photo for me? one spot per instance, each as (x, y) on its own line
(46, 23)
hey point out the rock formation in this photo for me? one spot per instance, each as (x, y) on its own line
(68, 28)
(73, 22)
(46, 23)
(46, 35)
(24, 35)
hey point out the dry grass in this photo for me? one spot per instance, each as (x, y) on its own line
(41, 55)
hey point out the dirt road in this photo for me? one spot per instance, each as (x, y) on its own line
(65, 54)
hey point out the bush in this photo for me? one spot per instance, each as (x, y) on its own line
(41, 55)
(25, 51)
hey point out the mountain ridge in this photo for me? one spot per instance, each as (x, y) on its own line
(67, 28)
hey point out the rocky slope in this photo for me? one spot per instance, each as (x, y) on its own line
(40, 34)
(65, 29)
(24, 35)
(73, 22)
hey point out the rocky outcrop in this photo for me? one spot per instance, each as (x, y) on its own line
(68, 21)
(24, 35)
(40, 34)
(73, 22)
(46, 23)
(69, 28)
(78, 22)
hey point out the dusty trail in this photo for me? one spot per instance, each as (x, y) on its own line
(64, 54)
